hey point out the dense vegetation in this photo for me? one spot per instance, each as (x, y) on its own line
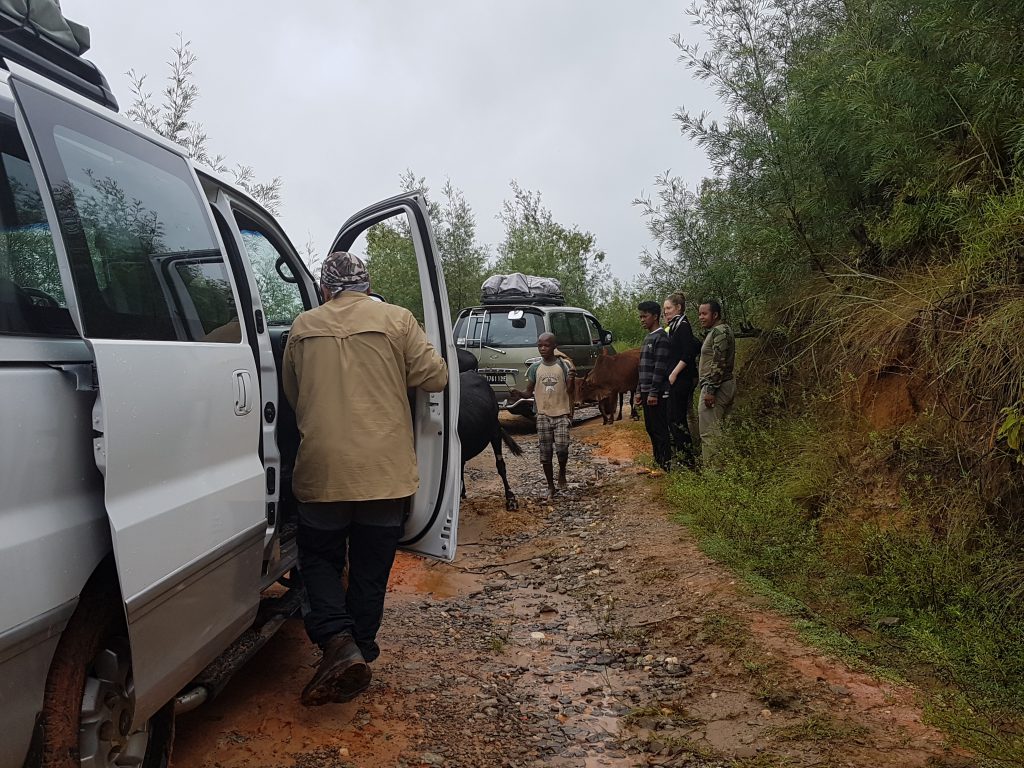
(867, 213)
(868, 199)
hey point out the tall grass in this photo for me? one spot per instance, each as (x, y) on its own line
(955, 339)
(876, 542)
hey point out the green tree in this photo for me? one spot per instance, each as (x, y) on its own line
(173, 120)
(536, 244)
(857, 138)
(391, 261)
(391, 256)
(463, 259)
(618, 313)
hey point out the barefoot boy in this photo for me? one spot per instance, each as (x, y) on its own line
(550, 383)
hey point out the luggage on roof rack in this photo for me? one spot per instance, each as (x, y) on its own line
(38, 37)
(517, 288)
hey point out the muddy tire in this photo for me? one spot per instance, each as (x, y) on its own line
(87, 707)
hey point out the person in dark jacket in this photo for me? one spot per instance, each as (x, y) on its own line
(682, 379)
(653, 394)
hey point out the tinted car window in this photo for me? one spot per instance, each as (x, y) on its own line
(570, 328)
(496, 330)
(282, 301)
(31, 295)
(502, 332)
(144, 258)
(468, 330)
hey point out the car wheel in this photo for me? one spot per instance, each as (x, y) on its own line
(87, 709)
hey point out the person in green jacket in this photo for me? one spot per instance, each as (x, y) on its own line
(715, 371)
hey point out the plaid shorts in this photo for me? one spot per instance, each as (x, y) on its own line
(552, 433)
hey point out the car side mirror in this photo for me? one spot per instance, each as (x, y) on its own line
(607, 338)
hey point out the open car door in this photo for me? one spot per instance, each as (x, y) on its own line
(433, 521)
(177, 414)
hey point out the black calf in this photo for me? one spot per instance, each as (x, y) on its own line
(467, 360)
(479, 425)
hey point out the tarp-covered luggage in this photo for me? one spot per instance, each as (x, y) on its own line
(521, 289)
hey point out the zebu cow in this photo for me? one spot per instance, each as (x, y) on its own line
(479, 425)
(611, 376)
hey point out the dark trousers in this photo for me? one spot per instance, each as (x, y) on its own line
(656, 422)
(680, 405)
(366, 535)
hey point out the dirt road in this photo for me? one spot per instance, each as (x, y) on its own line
(590, 631)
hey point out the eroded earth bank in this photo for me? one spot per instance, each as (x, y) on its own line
(590, 631)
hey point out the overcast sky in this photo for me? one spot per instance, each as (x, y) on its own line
(571, 98)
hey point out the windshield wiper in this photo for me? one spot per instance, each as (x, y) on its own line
(494, 349)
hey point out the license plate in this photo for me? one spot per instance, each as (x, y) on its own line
(497, 375)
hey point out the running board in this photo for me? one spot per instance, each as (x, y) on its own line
(273, 613)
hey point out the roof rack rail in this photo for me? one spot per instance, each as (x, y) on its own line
(523, 301)
(20, 43)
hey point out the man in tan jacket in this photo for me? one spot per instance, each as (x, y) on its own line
(347, 370)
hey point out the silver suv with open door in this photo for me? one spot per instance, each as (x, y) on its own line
(146, 449)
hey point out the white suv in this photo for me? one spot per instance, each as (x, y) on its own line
(146, 450)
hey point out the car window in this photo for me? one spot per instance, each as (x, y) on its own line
(501, 332)
(468, 330)
(496, 330)
(570, 328)
(282, 301)
(31, 294)
(144, 258)
(595, 330)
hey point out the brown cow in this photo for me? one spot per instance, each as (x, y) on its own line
(611, 376)
(605, 404)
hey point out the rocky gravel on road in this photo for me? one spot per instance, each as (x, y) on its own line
(583, 631)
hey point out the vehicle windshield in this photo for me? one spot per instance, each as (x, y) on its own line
(495, 329)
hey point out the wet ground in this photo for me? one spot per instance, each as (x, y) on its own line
(587, 631)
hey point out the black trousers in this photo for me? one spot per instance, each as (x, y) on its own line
(680, 403)
(365, 534)
(656, 422)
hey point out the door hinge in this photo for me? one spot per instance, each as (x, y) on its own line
(99, 442)
(83, 374)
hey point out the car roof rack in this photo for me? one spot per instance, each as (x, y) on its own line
(22, 44)
(523, 301)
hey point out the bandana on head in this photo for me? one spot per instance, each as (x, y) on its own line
(343, 271)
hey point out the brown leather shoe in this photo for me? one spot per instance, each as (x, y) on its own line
(342, 675)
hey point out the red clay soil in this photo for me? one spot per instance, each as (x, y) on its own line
(589, 631)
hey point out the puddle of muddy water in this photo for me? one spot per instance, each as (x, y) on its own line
(437, 581)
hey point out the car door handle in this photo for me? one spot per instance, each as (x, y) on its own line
(243, 388)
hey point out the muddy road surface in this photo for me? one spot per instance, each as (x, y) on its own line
(587, 631)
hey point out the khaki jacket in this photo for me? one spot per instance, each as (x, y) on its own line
(347, 368)
(717, 358)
